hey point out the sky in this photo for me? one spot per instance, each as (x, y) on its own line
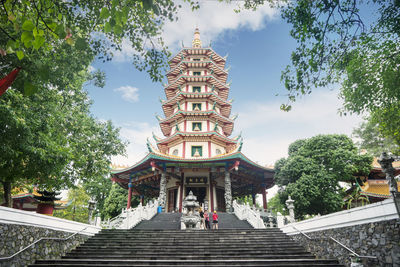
(258, 45)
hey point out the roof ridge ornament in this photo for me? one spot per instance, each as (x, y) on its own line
(156, 138)
(196, 43)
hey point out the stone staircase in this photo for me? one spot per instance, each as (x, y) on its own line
(162, 221)
(158, 243)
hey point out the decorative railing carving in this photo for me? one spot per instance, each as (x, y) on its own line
(129, 218)
(245, 212)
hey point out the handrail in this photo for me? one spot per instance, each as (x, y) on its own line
(40, 239)
(345, 247)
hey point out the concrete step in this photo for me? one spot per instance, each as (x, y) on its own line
(245, 262)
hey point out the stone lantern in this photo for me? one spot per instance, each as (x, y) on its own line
(190, 219)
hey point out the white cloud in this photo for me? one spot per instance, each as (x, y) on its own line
(129, 93)
(213, 18)
(268, 131)
(136, 133)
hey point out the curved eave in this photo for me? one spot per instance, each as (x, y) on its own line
(184, 78)
(207, 51)
(177, 135)
(164, 158)
(183, 66)
(187, 95)
(168, 109)
(212, 114)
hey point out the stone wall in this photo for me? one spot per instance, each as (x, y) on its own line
(380, 239)
(15, 237)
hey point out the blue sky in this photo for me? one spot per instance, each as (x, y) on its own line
(259, 47)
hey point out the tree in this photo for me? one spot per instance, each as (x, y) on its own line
(77, 209)
(50, 139)
(370, 139)
(337, 44)
(99, 188)
(313, 170)
(276, 205)
(116, 201)
(31, 31)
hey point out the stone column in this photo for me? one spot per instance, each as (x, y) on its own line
(228, 191)
(385, 160)
(163, 190)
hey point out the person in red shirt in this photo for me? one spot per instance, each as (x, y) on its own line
(215, 220)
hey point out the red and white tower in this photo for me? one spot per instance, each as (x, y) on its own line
(197, 121)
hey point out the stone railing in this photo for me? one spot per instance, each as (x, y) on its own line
(245, 212)
(29, 236)
(16, 216)
(129, 218)
(371, 230)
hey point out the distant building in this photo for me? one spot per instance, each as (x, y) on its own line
(375, 186)
(196, 153)
(42, 202)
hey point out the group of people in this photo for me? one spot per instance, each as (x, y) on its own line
(205, 219)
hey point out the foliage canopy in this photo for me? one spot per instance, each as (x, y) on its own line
(312, 172)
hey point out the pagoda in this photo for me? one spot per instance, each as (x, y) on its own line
(196, 153)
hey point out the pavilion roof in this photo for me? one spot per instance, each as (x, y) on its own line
(164, 159)
(377, 188)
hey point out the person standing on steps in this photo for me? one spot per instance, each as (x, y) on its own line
(202, 224)
(207, 220)
(215, 220)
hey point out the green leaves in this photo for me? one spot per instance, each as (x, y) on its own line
(28, 25)
(104, 13)
(20, 54)
(29, 89)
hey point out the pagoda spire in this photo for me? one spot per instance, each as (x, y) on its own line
(196, 39)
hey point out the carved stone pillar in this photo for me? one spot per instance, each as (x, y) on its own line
(228, 192)
(385, 160)
(163, 190)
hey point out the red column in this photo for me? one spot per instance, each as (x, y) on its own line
(206, 88)
(208, 126)
(128, 205)
(264, 196)
(209, 149)
(184, 149)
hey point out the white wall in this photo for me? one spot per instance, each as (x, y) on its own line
(16, 216)
(381, 211)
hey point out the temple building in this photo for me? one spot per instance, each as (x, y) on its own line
(375, 186)
(196, 153)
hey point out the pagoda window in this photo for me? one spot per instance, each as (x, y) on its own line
(196, 126)
(196, 89)
(196, 59)
(197, 151)
(196, 73)
(196, 106)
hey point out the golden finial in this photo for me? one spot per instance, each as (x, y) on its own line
(196, 40)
